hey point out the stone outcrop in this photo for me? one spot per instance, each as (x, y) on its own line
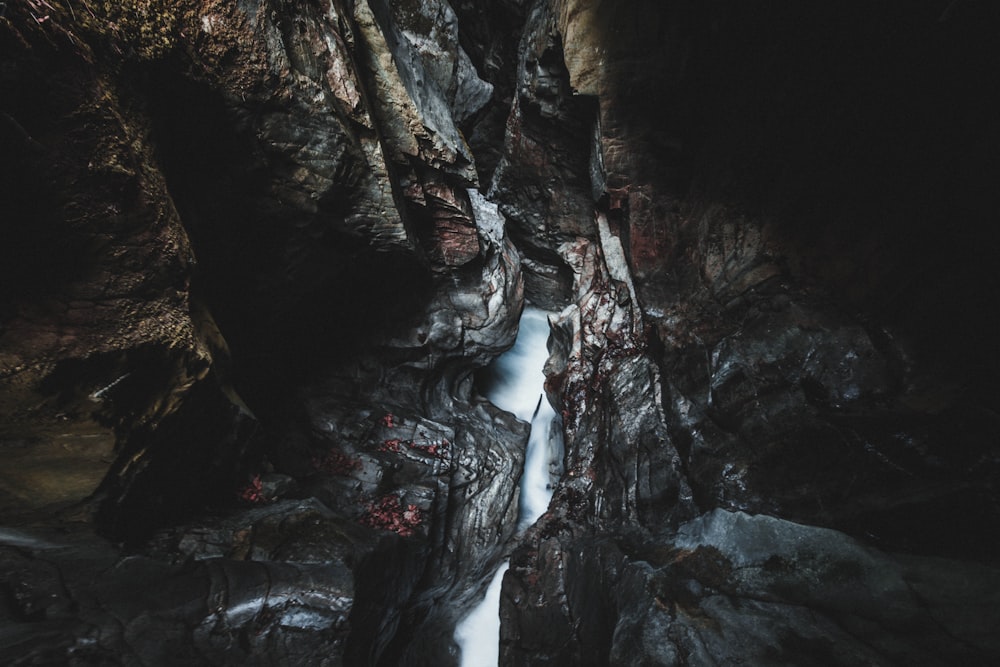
(250, 271)
(721, 363)
(101, 334)
(67, 608)
(254, 254)
(731, 587)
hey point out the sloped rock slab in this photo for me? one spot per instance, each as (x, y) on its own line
(73, 599)
(732, 588)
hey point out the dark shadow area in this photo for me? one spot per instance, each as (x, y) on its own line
(865, 137)
(40, 253)
(292, 295)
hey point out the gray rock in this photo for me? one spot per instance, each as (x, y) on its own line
(764, 323)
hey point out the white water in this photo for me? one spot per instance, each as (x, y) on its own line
(516, 386)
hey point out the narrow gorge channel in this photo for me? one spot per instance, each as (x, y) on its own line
(267, 373)
(515, 382)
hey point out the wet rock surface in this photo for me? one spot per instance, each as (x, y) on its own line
(75, 599)
(731, 587)
(713, 361)
(254, 255)
(269, 384)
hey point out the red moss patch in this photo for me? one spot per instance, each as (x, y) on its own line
(335, 462)
(387, 513)
(253, 492)
(393, 445)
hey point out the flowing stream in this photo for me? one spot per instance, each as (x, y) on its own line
(515, 383)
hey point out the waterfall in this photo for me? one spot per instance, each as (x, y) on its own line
(514, 382)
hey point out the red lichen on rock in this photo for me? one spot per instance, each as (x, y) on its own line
(436, 449)
(387, 513)
(389, 420)
(392, 445)
(651, 229)
(455, 243)
(253, 492)
(335, 462)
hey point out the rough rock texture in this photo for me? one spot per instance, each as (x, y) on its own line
(745, 333)
(731, 588)
(101, 335)
(490, 33)
(247, 262)
(73, 599)
(542, 181)
(254, 253)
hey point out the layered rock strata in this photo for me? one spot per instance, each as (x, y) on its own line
(262, 276)
(255, 252)
(715, 361)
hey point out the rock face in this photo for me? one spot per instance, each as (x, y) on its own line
(254, 254)
(733, 588)
(249, 262)
(154, 610)
(742, 339)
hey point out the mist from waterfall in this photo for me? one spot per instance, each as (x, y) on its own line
(514, 382)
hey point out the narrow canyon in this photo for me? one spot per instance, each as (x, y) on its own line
(263, 265)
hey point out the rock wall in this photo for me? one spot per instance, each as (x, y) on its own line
(255, 252)
(248, 266)
(744, 332)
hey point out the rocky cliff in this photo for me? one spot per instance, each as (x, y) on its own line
(255, 253)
